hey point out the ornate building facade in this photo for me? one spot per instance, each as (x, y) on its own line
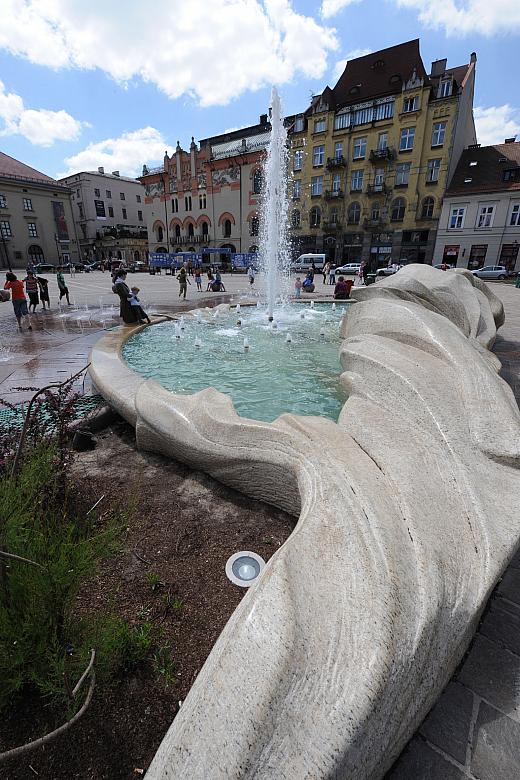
(372, 157)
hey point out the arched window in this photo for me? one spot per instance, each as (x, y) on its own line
(36, 254)
(257, 182)
(191, 232)
(296, 218)
(354, 213)
(177, 231)
(255, 226)
(398, 209)
(227, 228)
(315, 216)
(159, 233)
(161, 250)
(205, 229)
(376, 211)
(427, 208)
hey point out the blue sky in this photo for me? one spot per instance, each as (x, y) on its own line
(86, 83)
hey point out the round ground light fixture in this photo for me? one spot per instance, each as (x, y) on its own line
(244, 568)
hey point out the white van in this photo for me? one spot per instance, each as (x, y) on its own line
(304, 262)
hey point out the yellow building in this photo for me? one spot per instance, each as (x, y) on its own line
(372, 157)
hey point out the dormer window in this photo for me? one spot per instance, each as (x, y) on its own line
(395, 79)
(513, 174)
(378, 64)
(467, 180)
(354, 90)
(445, 88)
(473, 163)
(299, 124)
(410, 104)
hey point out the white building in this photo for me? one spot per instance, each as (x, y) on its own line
(480, 217)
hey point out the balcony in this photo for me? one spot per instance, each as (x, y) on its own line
(334, 194)
(336, 162)
(378, 189)
(380, 155)
(374, 223)
(328, 225)
(204, 238)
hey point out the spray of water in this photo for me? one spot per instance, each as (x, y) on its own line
(274, 241)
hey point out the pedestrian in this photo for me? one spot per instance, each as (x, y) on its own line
(298, 287)
(31, 288)
(62, 287)
(198, 279)
(210, 280)
(120, 287)
(342, 288)
(183, 282)
(136, 305)
(251, 275)
(332, 274)
(44, 292)
(326, 269)
(72, 269)
(361, 272)
(18, 298)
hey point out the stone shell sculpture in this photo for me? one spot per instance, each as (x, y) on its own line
(407, 516)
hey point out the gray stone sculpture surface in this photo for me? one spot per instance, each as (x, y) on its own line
(407, 516)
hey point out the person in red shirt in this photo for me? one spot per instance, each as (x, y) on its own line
(18, 297)
(342, 288)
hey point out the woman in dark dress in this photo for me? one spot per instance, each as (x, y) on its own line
(126, 311)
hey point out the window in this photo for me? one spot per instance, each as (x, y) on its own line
(407, 138)
(175, 205)
(515, 215)
(318, 155)
(31, 227)
(108, 193)
(427, 208)
(299, 124)
(96, 193)
(485, 216)
(122, 196)
(298, 158)
(438, 133)
(360, 148)
(315, 217)
(477, 256)
(5, 229)
(191, 231)
(376, 211)
(410, 104)
(110, 211)
(138, 198)
(296, 189)
(402, 174)
(177, 231)
(341, 121)
(187, 202)
(384, 110)
(80, 210)
(457, 218)
(354, 213)
(398, 209)
(202, 201)
(159, 233)
(255, 226)
(124, 214)
(100, 208)
(338, 150)
(334, 216)
(356, 181)
(257, 182)
(205, 228)
(379, 178)
(434, 167)
(513, 174)
(320, 125)
(27, 204)
(445, 88)
(227, 228)
(336, 182)
(382, 142)
(3, 202)
(316, 185)
(140, 216)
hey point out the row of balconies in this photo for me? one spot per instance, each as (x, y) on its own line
(375, 156)
(372, 189)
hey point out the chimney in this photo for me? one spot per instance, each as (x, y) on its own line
(263, 119)
(473, 56)
(101, 170)
(438, 67)
(115, 173)
(510, 140)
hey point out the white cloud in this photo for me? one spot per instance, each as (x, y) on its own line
(332, 7)
(40, 126)
(213, 50)
(125, 154)
(339, 67)
(460, 17)
(496, 123)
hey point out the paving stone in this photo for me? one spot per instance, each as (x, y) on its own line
(493, 673)
(419, 762)
(447, 725)
(496, 753)
(510, 585)
(502, 625)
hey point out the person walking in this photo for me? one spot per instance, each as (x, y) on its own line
(43, 284)
(332, 274)
(18, 298)
(361, 272)
(62, 287)
(183, 283)
(198, 279)
(251, 275)
(31, 288)
(326, 269)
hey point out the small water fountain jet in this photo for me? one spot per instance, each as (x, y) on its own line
(237, 308)
(246, 344)
(312, 304)
(333, 307)
(177, 331)
(198, 343)
(288, 338)
(302, 315)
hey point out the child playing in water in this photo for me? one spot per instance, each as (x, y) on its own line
(298, 287)
(136, 305)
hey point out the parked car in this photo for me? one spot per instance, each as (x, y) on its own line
(42, 268)
(388, 270)
(444, 266)
(305, 262)
(348, 268)
(491, 272)
(137, 266)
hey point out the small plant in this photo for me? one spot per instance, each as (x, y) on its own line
(154, 580)
(164, 664)
(173, 603)
(121, 647)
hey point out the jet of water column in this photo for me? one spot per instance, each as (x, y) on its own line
(274, 255)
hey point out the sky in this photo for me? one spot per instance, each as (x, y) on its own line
(85, 83)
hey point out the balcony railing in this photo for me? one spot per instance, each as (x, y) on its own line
(377, 189)
(374, 223)
(336, 162)
(191, 239)
(333, 194)
(379, 155)
(328, 225)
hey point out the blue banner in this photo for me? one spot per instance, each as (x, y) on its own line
(244, 259)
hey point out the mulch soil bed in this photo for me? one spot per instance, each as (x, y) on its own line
(181, 532)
